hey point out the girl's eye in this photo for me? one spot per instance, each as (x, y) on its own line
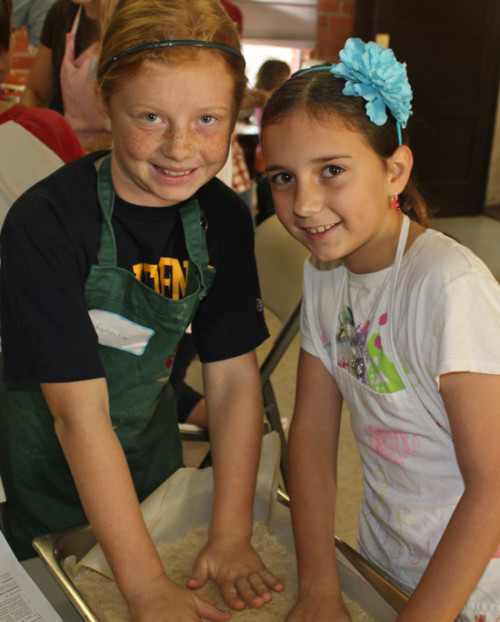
(207, 119)
(151, 117)
(332, 170)
(281, 179)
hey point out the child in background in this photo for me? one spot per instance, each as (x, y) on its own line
(31, 13)
(271, 75)
(63, 72)
(104, 264)
(406, 331)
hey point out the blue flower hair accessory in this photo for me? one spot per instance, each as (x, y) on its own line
(372, 72)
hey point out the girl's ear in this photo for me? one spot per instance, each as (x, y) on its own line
(400, 165)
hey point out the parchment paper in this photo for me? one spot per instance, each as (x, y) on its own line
(184, 502)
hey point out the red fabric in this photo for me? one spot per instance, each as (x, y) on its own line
(48, 126)
(234, 13)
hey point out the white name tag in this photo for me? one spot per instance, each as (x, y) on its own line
(115, 331)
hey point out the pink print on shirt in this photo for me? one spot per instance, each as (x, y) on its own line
(391, 444)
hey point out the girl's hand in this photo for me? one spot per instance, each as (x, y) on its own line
(238, 571)
(318, 608)
(165, 601)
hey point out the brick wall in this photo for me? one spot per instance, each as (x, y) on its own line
(21, 61)
(340, 19)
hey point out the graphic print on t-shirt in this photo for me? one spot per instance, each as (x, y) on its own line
(168, 277)
(363, 355)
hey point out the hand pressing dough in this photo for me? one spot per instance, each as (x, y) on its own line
(103, 596)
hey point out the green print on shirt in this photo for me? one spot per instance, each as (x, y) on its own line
(382, 375)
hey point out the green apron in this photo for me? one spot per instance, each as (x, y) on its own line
(41, 496)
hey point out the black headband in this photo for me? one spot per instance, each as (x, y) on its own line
(172, 43)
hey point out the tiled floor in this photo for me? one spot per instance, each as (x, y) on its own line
(480, 233)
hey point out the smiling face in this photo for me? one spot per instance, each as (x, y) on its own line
(171, 127)
(331, 191)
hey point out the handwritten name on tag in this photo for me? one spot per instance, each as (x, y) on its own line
(115, 331)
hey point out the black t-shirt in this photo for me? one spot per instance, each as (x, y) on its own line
(50, 241)
(58, 22)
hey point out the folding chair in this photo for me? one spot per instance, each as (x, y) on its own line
(280, 262)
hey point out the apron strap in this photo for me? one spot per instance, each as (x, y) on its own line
(191, 214)
(106, 255)
(196, 244)
(76, 21)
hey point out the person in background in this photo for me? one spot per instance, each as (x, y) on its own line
(103, 266)
(271, 75)
(406, 330)
(34, 142)
(31, 13)
(62, 76)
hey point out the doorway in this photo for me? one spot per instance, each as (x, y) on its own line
(452, 48)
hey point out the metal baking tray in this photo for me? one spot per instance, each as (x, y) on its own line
(54, 548)
(360, 581)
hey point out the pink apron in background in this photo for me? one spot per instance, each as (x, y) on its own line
(80, 100)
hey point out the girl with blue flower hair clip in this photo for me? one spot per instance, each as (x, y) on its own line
(405, 330)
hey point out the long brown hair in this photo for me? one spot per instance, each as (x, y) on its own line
(272, 73)
(319, 93)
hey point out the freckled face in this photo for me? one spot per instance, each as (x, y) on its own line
(331, 191)
(171, 129)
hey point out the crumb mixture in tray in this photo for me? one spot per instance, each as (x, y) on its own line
(178, 559)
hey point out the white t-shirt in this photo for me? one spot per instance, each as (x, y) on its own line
(443, 316)
(446, 313)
